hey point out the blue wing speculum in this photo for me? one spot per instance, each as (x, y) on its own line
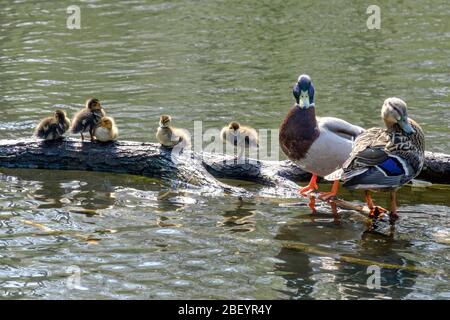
(392, 167)
(391, 173)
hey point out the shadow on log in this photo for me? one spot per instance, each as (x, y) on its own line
(186, 169)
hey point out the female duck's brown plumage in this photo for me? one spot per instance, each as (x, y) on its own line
(88, 119)
(317, 145)
(385, 159)
(53, 128)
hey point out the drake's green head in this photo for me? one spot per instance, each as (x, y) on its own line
(303, 92)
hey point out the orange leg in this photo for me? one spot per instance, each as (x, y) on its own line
(334, 208)
(312, 204)
(312, 186)
(393, 214)
(335, 212)
(328, 195)
(375, 211)
(369, 199)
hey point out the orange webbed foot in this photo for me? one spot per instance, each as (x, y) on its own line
(377, 212)
(312, 186)
(308, 189)
(325, 196)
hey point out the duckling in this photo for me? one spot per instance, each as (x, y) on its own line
(53, 128)
(317, 145)
(107, 130)
(88, 118)
(238, 135)
(169, 136)
(385, 159)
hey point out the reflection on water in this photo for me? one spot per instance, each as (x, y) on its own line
(342, 273)
(135, 237)
(239, 218)
(143, 240)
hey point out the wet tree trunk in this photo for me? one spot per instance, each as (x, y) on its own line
(185, 169)
(436, 168)
(145, 159)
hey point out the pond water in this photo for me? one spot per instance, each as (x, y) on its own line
(94, 235)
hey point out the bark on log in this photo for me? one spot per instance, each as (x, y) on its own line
(436, 168)
(134, 158)
(149, 159)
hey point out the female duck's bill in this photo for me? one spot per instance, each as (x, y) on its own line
(304, 92)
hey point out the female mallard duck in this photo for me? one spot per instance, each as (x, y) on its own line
(239, 136)
(385, 159)
(88, 118)
(107, 130)
(169, 136)
(317, 145)
(53, 128)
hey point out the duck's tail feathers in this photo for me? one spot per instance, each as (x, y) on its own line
(336, 175)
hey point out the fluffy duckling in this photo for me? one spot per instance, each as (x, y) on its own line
(107, 130)
(239, 136)
(385, 159)
(169, 136)
(53, 128)
(88, 118)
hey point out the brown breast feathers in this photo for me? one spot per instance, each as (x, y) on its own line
(298, 131)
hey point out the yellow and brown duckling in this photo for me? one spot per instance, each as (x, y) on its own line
(53, 128)
(107, 130)
(169, 136)
(88, 118)
(239, 136)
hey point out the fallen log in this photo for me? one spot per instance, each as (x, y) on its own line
(188, 168)
(436, 168)
(136, 158)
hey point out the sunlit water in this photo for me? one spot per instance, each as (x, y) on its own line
(134, 237)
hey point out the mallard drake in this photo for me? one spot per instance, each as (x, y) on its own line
(169, 136)
(239, 136)
(385, 159)
(54, 127)
(87, 119)
(317, 145)
(107, 130)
